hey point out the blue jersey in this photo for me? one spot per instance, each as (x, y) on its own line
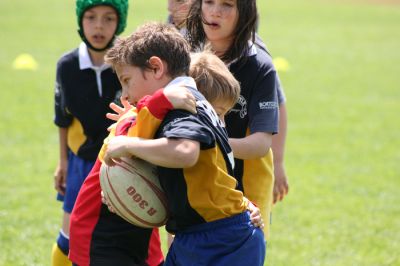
(207, 191)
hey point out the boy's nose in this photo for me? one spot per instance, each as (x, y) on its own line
(99, 23)
(124, 94)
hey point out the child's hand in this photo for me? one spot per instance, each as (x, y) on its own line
(106, 202)
(60, 177)
(255, 216)
(281, 185)
(119, 111)
(117, 148)
(181, 98)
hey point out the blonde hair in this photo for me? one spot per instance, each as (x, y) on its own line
(213, 78)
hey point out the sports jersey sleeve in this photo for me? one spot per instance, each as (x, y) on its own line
(151, 110)
(61, 116)
(181, 124)
(280, 91)
(142, 121)
(264, 108)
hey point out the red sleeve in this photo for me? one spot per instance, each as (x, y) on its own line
(157, 104)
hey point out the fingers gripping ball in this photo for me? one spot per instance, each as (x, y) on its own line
(134, 192)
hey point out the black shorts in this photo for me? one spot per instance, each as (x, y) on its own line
(117, 242)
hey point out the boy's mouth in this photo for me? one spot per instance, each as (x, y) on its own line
(98, 38)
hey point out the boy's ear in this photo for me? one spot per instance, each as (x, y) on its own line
(158, 66)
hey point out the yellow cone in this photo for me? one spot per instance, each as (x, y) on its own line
(281, 64)
(25, 61)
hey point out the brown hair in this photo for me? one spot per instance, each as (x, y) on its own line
(245, 29)
(152, 39)
(213, 78)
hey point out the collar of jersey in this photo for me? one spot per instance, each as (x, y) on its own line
(84, 59)
(183, 81)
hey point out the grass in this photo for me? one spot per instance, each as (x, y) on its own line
(342, 148)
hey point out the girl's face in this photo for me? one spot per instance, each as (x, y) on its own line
(220, 18)
(99, 25)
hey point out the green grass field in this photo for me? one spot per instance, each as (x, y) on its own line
(343, 91)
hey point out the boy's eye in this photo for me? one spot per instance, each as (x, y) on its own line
(89, 17)
(124, 81)
(111, 18)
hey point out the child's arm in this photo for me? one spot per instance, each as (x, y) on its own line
(179, 97)
(150, 112)
(263, 122)
(281, 186)
(60, 174)
(253, 146)
(165, 152)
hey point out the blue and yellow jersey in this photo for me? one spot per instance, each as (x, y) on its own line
(256, 111)
(207, 191)
(82, 96)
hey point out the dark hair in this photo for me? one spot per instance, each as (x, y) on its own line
(245, 29)
(152, 39)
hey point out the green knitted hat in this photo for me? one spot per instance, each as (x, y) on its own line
(121, 6)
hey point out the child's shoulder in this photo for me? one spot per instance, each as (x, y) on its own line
(262, 58)
(69, 57)
(258, 61)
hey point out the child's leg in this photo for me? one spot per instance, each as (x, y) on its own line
(232, 241)
(78, 169)
(117, 242)
(59, 254)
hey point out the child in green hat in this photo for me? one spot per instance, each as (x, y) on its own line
(85, 86)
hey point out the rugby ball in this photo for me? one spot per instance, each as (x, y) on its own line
(132, 188)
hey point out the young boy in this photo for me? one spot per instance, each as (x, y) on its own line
(214, 80)
(192, 152)
(99, 237)
(85, 86)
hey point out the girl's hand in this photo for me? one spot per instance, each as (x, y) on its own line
(255, 216)
(181, 98)
(281, 185)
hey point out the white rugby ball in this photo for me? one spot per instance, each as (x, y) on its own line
(134, 191)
